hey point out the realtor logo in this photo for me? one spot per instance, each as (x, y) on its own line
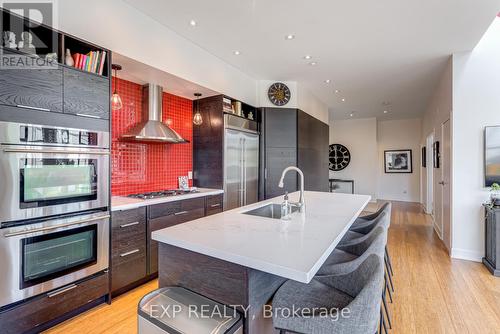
(28, 40)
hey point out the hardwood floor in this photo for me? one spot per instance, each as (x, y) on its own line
(434, 294)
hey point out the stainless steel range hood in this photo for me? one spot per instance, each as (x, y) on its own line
(151, 129)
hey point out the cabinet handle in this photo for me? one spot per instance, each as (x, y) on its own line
(180, 213)
(129, 253)
(30, 107)
(89, 116)
(215, 205)
(129, 224)
(60, 291)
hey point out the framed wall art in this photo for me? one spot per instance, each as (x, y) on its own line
(398, 161)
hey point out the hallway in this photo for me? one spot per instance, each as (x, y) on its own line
(434, 294)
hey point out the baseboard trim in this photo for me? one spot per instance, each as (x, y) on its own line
(465, 254)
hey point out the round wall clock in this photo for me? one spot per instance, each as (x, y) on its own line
(339, 157)
(279, 94)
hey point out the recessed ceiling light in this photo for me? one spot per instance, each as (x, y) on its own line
(307, 57)
(192, 23)
(386, 111)
(236, 52)
(327, 81)
(343, 99)
(351, 114)
(337, 91)
(289, 37)
(313, 63)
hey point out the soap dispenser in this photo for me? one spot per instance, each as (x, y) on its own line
(286, 208)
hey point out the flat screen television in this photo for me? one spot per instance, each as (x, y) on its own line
(491, 155)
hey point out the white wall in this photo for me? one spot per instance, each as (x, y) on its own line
(476, 104)
(121, 28)
(397, 135)
(310, 103)
(438, 111)
(360, 138)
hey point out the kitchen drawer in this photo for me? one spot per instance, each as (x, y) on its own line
(52, 305)
(167, 209)
(167, 221)
(128, 269)
(128, 250)
(213, 204)
(119, 218)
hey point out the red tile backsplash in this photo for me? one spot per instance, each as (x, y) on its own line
(140, 167)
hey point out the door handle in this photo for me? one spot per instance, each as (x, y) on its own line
(129, 224)
(44, 150)
(215, 205)
(89, 116)
(180, 213)
(49, 228)
(130, 253)
(442, 183)
(30, 107)
(61, 291)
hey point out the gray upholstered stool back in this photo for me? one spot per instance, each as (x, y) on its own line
(360, 287)
(372, 243)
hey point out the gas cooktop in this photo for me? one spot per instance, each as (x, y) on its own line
(162, 193)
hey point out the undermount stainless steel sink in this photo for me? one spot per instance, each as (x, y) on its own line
(268, 211)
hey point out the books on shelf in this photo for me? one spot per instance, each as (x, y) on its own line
(91, 62)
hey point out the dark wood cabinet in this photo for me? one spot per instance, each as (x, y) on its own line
(35, 89)
(134, 255)
(128, 248)
(170, 214)
(214, 204)
(492, 240)
(291, 137)
(86, 94)
(32, 315)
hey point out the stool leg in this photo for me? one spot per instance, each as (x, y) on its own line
(380, 322)
(389, 274)
(387, 287)
(383, 322)
(388, 260)
(384, 301)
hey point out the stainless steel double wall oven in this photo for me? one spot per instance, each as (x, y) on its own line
(54, 208)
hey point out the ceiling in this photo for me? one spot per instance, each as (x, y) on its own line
(140, 73)
(391, 51)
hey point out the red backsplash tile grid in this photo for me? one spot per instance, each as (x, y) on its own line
(140, 167)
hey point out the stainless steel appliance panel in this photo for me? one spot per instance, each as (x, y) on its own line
(250, 168)
(17, 284)
(233, 169)
(12, 162)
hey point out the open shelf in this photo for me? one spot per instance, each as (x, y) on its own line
(245, 109)
(77, 46)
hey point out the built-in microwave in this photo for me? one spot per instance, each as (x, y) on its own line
(50, 171)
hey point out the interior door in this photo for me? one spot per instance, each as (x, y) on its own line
(251, 167)
(446, 184)
(233, 173)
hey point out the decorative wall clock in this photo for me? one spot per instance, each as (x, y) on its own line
(339, 157)
(279, 94)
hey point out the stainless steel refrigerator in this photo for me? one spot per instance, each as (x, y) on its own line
(241, 162)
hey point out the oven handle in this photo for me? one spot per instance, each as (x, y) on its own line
(48, 228)
(32, 150)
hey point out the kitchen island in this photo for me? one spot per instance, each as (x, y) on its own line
(241, 259)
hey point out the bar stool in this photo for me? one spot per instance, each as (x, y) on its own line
(358, 291)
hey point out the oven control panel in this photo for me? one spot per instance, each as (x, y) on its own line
(45, 135)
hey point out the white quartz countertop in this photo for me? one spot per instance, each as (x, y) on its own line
(126, 203)
(295, 249)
